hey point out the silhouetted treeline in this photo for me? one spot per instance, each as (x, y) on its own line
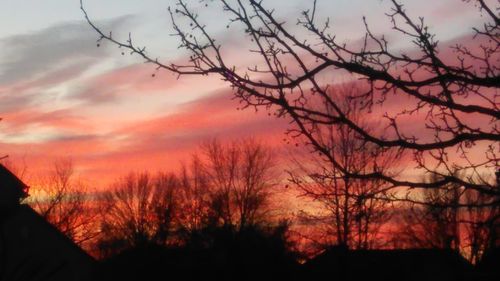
(225, 196)
(226, 185)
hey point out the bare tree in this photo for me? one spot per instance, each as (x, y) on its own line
(165, 206)
(140, 209)
(353, 209)
(241, 177)
(452, 218)
(455, 92)
(194, 206)
(482, 225)
(477, 234)
(65, 202)
(435, 224)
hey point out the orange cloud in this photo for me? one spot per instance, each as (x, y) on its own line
(106, 138)
(158, 143)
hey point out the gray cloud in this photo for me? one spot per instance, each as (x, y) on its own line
(28, 55)
(32, 63)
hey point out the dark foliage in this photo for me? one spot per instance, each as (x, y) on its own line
(489, 267)
(210, 254)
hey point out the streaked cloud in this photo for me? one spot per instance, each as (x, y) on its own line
(60, 95)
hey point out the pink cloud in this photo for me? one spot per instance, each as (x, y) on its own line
(64, 119)
(158, 143)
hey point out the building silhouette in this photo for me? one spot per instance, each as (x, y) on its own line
(30, 247)
(408, 264)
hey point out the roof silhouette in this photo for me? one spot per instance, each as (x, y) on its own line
(30, 247)
(408, 264)
(36, 250)
(12, 189)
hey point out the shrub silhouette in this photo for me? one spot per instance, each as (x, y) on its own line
(213, 253)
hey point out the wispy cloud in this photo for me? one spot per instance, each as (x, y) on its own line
(33, 63)
(58, 99)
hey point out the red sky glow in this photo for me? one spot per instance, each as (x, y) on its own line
(61, 96)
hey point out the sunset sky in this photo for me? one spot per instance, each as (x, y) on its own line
(61, 96)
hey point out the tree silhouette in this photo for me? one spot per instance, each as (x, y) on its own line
(194, 202)
(452, 218)
(353, 210)
(448, 94)
(435, 224)
(482, 226)
(64, 201)
(227, 184)
(139, 210)
(241, 177)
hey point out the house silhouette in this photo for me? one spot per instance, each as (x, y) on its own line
(410, 264)
(30, 247)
